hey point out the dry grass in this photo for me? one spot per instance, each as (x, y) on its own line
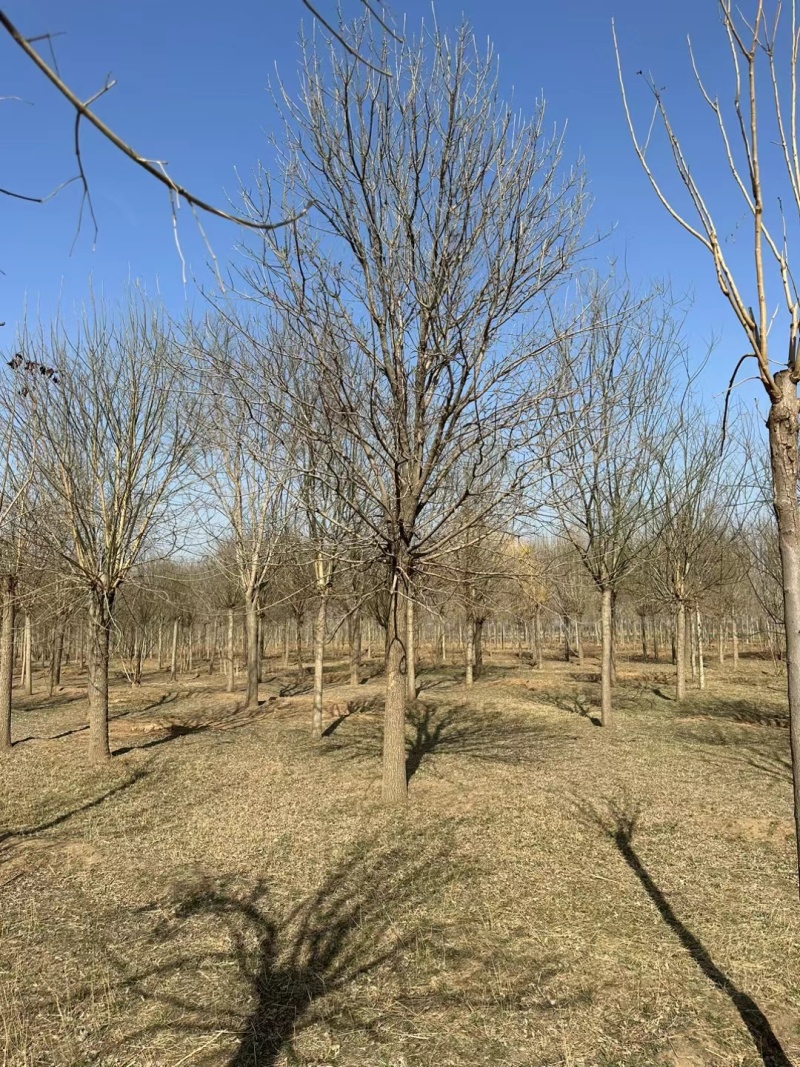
(227, 892)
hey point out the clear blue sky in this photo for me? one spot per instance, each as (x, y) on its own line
(191, 90)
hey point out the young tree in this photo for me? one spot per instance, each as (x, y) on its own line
(445, 217)
(109, 443)
(761, 156)
(619, 396)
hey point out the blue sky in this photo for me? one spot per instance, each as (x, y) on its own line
(191, 90)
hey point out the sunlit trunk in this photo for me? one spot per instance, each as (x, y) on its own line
(229, 681)
(9, 587)
(606, 717)
(251, 633)
(320, 624)
(680, 650)
(411, 644)
(395, 786)
(100, 609)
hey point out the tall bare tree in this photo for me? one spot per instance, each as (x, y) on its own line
(439, 217)
(759, 149)
(109, 443)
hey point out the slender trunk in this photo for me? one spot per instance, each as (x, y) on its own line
(137, 660)
(395, 784)
(411, 644)
(229, 658)
(173, 667)
(190, 647)
(57, 658)
(565, 624)
(613, 639)
(605, 661)
(693, 645)
(298, 626)
(735, 642)
(782, 425)
(643, 625)
(701, 667)
(680, 650)
(654, 635)
(477, 649)
(354, 638)
(723, 622)
(537, 638)
(319, 659)
(212, 651)
(469, 653)
(160, 645)
(251, 634)
(286, 644)
(9, 587)
(259, 646)
(578, 642)
(100, 608)
(27, 673)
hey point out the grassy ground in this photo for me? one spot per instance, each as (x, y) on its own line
(225, 891)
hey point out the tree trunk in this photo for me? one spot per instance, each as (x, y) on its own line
(469, 653)
(735, 642)
(9, 587)
(578, 642)
(173, 667)
(27, 673)
(56, 657)
(229, 658)
(654, 636)
(565, 625)
(782, 426)
(100, 608)
(160, 645)
(354, 639)
(319, 660)
(680, 651)
(212, 651)
(537, 638)
(259, 646)
(605, 661)
(701, 666)
(395, 785)
(693, 645)
(286, 644)
(251, 633)
(643, 625)
(477, 649)
(137, 659)
(298, 626)
(411, 644)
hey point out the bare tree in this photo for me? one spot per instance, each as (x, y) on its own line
(764, 58)
(445, 217)
(109, 443)
(619, 399)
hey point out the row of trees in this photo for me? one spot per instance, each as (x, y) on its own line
(415, 375)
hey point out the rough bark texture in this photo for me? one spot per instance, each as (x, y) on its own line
(27, 666)
(173, 667)
(99, 634)
(782, 425)
(9, 587)
(319, 656)
(251, 628)
(578, 642)
(469, 653)
(395, 785)
(643, 625)
(680, 651)
(606, 715)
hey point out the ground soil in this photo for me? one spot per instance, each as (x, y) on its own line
(227, 891)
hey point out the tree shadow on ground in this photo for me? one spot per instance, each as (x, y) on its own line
(620, 827)
(56, 820)
(771, 756)
(459, 730)
(172, 731)
(287, 969)
(168, 698)
(714, 706)
(573, 703)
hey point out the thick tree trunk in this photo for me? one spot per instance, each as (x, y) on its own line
(354, 639)
(782, 426)
(395, 785)
(320, 623)
(606, 717)
(477, 649)
(701, 666)
(9, 588)
(100, 608)
(229, 657)
(680, 651)
(251, 632)
(411, 645)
